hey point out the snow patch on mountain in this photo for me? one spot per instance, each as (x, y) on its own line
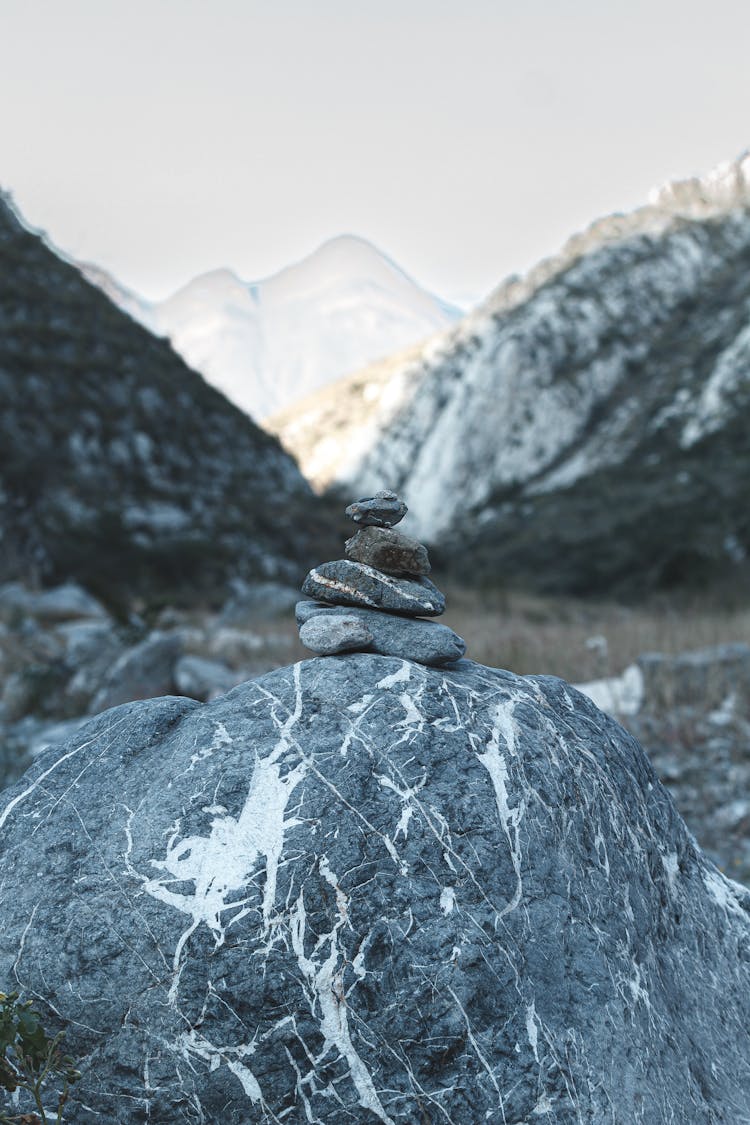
(266, 344)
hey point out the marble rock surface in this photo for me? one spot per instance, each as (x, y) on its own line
(360, 890)
(390, 634)
(389, 550)
(345, 582)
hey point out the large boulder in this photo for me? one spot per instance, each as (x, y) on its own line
(362, 890)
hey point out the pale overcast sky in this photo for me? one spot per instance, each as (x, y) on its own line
(162, 138)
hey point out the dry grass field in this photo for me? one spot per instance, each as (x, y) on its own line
(574, 638)
(584, 640)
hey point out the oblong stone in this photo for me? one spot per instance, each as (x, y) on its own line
(344, 582)
(340, 632)
(388, 550)
(424, 642)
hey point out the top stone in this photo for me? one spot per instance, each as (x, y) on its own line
(384, 509)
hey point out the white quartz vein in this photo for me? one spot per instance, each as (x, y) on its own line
(55, 765)
(398, 584)
(326, 988)
(496, 766)
(475, 1045)
(222, 864)
(192, 1043)
(401, 677)
(531, 1028)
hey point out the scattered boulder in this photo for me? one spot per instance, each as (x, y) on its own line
(203, 679)
(358, 889)
(705, 679)
(617, 695)
(145, 670)
(91, 648)
(35, 689)
(259, 602)
(14, 600)
(691, 711)
(69, 602)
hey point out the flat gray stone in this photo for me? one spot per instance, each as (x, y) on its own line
(388, 550)
(358, 891)
(390, 634)
(384, 509)
(344, 582)
(339, 632)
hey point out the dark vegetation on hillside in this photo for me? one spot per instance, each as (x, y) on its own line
(119, 466)
(631, 530)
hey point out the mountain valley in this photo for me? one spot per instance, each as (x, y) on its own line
(583, 430)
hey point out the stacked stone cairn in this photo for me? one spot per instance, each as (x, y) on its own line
(377, 598)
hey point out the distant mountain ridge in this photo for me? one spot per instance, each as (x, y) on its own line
(268, 343)
(585, 428)
(119, 466)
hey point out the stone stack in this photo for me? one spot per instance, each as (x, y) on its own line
(377, 598)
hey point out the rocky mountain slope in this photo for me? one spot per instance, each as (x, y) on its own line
(427, 895)
(586, 427)
(265, 344)
(119, 466)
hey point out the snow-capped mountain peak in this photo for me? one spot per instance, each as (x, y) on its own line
(267, 343)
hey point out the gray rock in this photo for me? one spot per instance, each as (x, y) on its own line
(410, 638)
(144, 671)
(21, 692)
(36, 689)
(67, 603)
(62, 603)
(339, 632)
(704, 679)
(83, 640)
(203, 679)
(388, 550)
(384, 509)
(14, 601)
(91, 648)
(258, 602)
(446, 895)
(344, 582)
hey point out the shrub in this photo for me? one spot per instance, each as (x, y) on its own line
(31, 1061)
